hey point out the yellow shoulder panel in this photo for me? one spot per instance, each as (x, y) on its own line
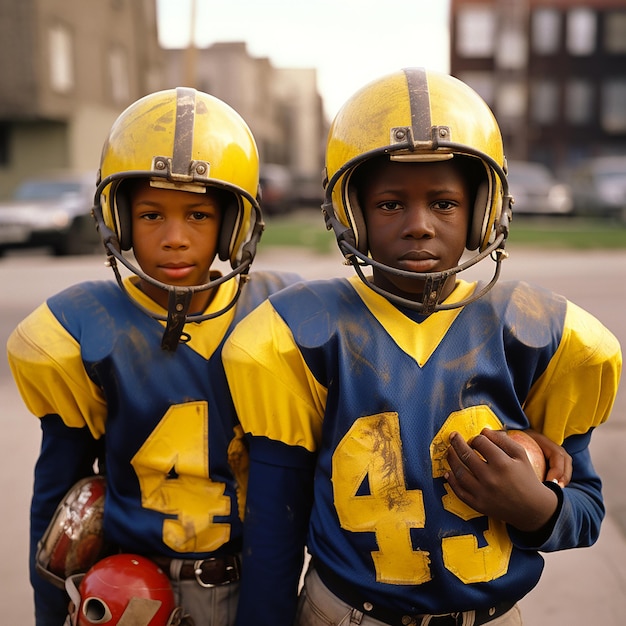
(274, 392)
(49, 373)
(577, 390)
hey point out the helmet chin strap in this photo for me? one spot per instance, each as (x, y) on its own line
(178, 303)
(433, 282)
(179, 298)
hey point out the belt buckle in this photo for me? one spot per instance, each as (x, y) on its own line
(197, 570)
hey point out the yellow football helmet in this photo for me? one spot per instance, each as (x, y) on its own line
(416, 115)
(186, 140)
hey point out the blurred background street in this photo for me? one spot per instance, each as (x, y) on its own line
(554, 74)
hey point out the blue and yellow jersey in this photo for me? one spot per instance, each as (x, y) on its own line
(175, 462)
(374, 392)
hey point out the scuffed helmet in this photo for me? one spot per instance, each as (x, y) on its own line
(74, 539)
(416, 115)
(186, 140)
(124, 589)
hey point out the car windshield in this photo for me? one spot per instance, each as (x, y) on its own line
(526, 173)
(611, 174)
(46, 189)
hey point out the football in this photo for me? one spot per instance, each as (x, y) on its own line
(533, 450)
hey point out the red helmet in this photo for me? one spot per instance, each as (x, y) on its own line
(123, 589)
(74, 540)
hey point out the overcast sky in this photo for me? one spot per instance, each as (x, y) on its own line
(349, 42)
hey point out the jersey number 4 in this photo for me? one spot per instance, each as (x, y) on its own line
(371, 496)
(173, 471)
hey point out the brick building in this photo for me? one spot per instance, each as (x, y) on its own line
(553, 71)
(282, 106)
(67, 69)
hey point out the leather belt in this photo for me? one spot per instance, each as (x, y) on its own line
(394, 618)
(209, 572)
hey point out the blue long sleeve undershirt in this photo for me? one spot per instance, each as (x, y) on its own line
(67, 455)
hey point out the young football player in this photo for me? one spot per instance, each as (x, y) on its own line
(131, 372)
(377, 426)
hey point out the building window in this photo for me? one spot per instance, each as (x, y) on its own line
(476, 31)
(578, 101)
(581, 31)
(118, 68)
(511, 100)
(545, 31)
(61, 58)
(482, 83)
(512, 52)
(615, 32)
(544, 101)
(612, 110)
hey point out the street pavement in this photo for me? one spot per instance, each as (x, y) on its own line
(578, 588)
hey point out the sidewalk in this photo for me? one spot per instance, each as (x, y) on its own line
(582, 587)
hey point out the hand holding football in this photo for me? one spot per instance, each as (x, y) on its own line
(533, 450)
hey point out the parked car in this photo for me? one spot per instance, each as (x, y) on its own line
(536, 190)
(276, 188)
(52, 211)
(308, 192)
(599, 186)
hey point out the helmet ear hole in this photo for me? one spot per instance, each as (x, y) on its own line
(230, 225)
(96, 611)
(120, 200)
(475, 232)
(359, 228)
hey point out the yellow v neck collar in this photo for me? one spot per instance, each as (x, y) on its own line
(417, 339)
(205, 336)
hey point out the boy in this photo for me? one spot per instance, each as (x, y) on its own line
(377, 427)
(133, 375)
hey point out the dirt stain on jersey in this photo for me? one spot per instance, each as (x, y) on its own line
(388, 457)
